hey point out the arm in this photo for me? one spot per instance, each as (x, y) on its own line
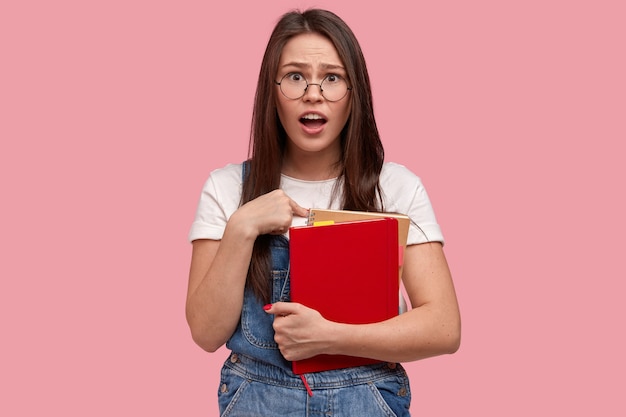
(219, 269)
(431, 328)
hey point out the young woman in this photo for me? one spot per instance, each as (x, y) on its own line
(314, 143)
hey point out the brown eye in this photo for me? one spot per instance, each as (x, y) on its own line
(295, 77)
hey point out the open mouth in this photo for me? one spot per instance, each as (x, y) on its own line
(313, 121)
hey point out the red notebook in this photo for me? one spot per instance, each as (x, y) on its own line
(349, 273)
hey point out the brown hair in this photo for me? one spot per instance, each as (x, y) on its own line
(362, 150)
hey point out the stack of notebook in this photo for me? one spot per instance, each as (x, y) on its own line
(346, 265)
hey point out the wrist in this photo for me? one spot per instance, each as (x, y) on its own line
(336, 334)
(241, 228)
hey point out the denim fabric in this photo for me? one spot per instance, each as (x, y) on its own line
(254, 335)
(251, 388)
(257, 381)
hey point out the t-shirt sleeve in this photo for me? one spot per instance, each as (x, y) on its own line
(424, 226)
(218, 200)
(405, 193)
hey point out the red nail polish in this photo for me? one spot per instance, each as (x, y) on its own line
(267, 307)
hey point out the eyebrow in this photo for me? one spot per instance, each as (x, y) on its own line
(306, 65)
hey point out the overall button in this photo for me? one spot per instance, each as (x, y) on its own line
(392, 365)
(234, 358)
(224, 388)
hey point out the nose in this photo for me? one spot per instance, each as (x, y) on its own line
(313, 94)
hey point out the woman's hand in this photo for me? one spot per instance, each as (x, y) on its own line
(431, 328)
(219, 268)
(300, 332)
(271, 213)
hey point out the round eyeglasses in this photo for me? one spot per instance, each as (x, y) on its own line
(333, 87)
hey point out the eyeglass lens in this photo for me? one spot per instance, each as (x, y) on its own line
(333, 87)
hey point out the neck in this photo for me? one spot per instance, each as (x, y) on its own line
(311, 169)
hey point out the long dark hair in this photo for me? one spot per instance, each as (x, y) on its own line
(362, 151)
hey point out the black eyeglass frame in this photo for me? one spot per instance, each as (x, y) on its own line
(279, 84)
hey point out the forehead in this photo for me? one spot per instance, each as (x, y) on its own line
(310, 49)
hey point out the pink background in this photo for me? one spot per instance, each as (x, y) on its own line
(113, 113)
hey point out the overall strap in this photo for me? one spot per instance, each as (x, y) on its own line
(245, 167)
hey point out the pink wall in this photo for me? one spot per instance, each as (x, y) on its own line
(112, 114)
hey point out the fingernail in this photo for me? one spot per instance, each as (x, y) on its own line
(267, 307)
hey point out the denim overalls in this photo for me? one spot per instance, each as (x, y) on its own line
(257, 381)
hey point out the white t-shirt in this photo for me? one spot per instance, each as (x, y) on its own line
(402, 191)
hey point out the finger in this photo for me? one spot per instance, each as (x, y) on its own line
(279, 231)
(281, 308)
(298, 210)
